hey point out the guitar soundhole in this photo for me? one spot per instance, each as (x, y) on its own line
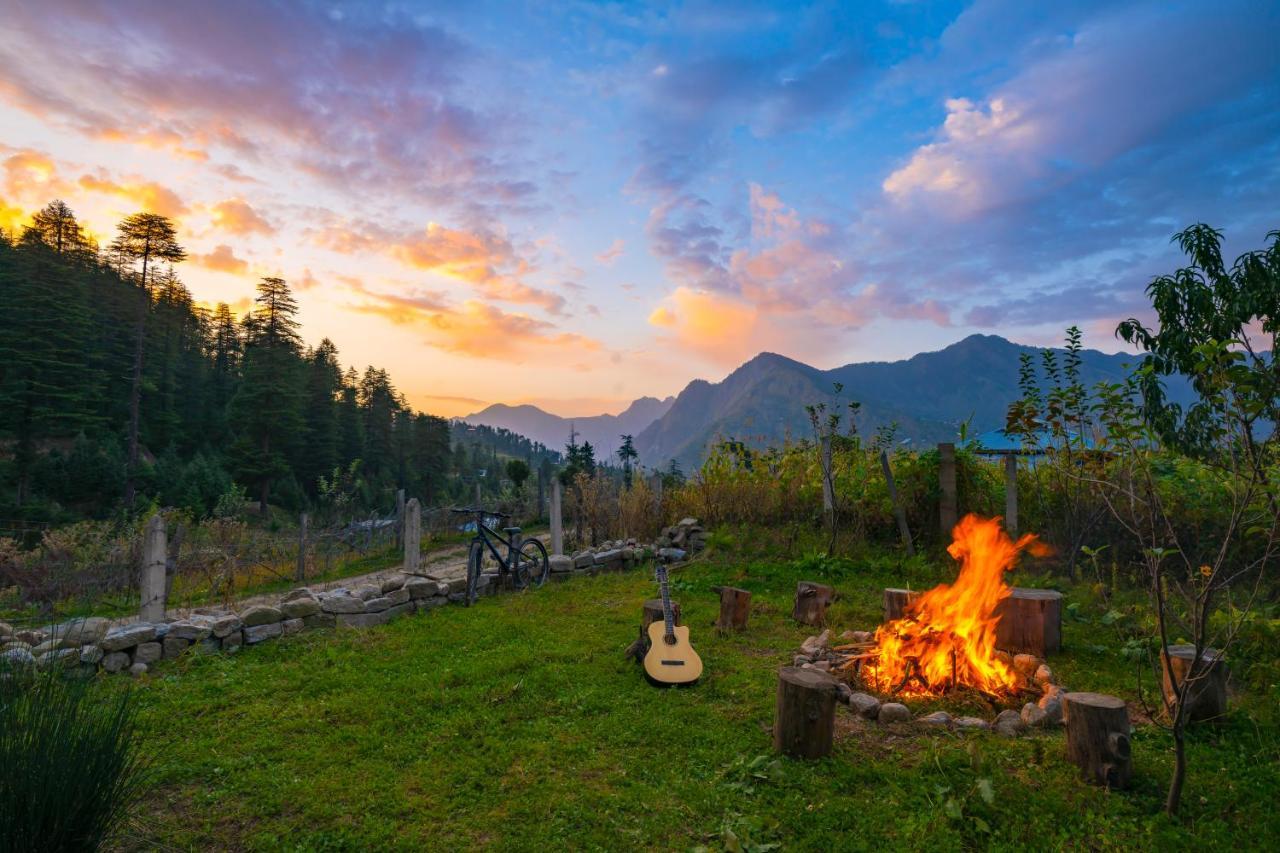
(670, 641)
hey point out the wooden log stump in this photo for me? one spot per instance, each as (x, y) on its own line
(1206, 696)
(805, 718)
(651, 612)
(1098, 737)
(735, 606)
(1030, 622)
(812, 601)
(896, 601)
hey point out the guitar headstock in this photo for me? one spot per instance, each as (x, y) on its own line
(660, 572)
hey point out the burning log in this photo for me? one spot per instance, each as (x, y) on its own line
(1098, 738)
(1030, 622)
(735, 605)
(812, 601)
(1206, 696)
(896, 602)
(805, 717)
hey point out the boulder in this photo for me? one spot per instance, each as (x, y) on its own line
(559, 563)
(584, 559)
(261, 614)
(298, 592)
(6, 631)
(421, 587)
(17, 656)
(816, 646)
(174, 646)
(233, 641)
(894, 712)
(147, 653)
(397, 596)
(116, 661)
(30, 636)
(207, 646)
(364, 592)
(60, 658)
(138, 669)
(50, 645)
(91, 654)
(342, 604)
(672, 555)
(1033, 715)
(972, 723)
(1043, 675)
(937, 718)
(1026, 664)
(189, 630)
(1051, 704)
(864, 705)
(297, 608)
(128, 636)
(225, 625)
(319, 620)
(290, 627)
(393, 583)
(1009, 723)
(254, 634)
(81, 632)
(377, 605)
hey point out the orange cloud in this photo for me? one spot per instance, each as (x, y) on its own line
(157, 139)
(474, 328)
(149, 196)
(611, 254)
(717, 326)
(236, 216)
(484, 260)
(222, 259)
(11, 218)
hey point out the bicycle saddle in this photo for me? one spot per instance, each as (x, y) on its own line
(510, 530)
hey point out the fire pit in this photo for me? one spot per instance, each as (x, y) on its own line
(947, 636)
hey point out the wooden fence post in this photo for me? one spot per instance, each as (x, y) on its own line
(947, 510)
(898, 512)
(301, 574)
(557, 521)
(412, 535)
(1011, 493)
(399, 516)
(154, 550)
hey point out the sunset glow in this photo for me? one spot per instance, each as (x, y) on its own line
(584, 206)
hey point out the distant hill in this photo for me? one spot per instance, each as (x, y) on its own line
(929, 396)
(763, 402)
(603, 431)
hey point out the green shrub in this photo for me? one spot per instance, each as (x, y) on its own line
(69, 762)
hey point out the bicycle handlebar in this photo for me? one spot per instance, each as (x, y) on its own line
(473, 510)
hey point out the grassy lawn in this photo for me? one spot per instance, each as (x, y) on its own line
(517, 724)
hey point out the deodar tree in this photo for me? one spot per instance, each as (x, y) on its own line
(144, 238)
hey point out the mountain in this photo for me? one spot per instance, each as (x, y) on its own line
(928, 395)
(603, 431)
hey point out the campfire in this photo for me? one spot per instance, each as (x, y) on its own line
(947, 635)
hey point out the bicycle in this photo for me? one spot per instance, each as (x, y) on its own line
(526, 561)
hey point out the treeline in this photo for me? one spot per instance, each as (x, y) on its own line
(117, 391)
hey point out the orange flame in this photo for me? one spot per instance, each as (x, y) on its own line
(947, 636)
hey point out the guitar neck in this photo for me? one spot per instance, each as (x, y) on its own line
(667, 613)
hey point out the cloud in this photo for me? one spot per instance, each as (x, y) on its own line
(483, 259)
(236, 216)
(611, 254)
(148, 196)
(222, 259)
(474, 328)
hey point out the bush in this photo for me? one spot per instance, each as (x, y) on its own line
(69, 763)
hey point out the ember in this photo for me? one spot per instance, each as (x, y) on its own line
(947, 637)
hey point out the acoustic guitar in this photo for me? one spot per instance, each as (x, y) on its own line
(670, 661)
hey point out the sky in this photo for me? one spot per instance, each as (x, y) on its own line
(576, 204)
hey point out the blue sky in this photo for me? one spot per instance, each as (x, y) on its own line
(575, 204)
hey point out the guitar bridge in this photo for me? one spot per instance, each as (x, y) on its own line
(672, 663)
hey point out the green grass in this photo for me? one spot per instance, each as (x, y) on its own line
(517, 724)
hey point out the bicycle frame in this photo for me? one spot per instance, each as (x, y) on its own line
(483, 532)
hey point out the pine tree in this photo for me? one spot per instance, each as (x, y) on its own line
(144, 238)
(627, 453)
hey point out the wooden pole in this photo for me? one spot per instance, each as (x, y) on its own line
(948, 511)
(898, 512)
(805, 717)
(1011, 493)
(153, 575)
(812, 600)
(300, 574)
(1098, 738)
(557, 519)
(735, 606)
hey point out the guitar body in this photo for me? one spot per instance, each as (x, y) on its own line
(673, 664)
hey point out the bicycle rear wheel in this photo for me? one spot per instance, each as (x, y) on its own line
(533, 558)
(475, 561)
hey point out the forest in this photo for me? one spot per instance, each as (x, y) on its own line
(119, 392)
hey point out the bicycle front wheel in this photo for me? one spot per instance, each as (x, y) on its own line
(533, 557)
(475, 561)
